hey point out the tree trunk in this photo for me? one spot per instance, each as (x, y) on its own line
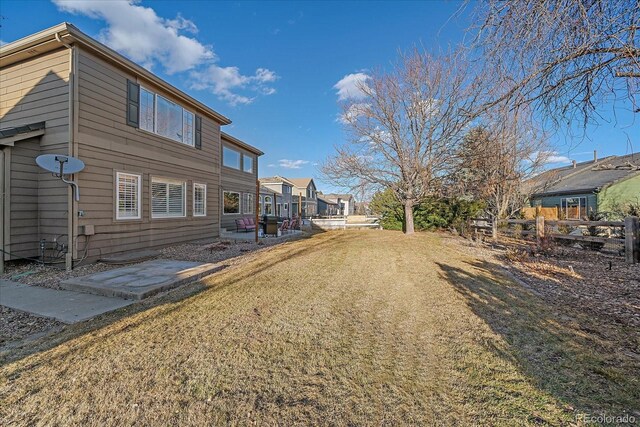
(408, 219)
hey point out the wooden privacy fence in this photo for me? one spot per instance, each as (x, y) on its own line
(532, 213)
(618, 237)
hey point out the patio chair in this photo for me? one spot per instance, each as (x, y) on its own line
(241, 225)
(250, 223)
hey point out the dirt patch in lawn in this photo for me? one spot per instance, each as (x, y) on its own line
(344, 328)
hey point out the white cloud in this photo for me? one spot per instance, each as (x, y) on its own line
(555, 158)
(139, 33)
(349, 87)
(354, 111)
(226, 81)
(292, 164)
(2, 42)
(549, 157)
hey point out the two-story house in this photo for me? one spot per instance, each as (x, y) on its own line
(304, 200)
(346, 203)
(158, 169)
(238, 180)
(283, 190)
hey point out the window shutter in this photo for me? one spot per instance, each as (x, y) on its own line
(133, 104)
(198, 141)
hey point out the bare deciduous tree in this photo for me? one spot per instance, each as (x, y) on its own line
(564, 58)
(496, 158)
(405, 128)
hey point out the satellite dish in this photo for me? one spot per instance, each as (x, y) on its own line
(61, 165)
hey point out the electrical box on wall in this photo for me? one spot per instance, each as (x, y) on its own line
(87, 230)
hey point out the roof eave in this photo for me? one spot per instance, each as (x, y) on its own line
(71, 34)
(561, 192)
(241, 143)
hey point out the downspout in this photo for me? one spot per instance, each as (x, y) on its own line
(71, 216)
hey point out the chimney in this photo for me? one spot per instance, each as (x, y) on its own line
(574, 163)
(595, 156)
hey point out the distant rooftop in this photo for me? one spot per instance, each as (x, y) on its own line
(275, 179)
(300, 182)
(587, 176)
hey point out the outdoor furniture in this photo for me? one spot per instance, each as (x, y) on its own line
(295, 224)
(245, 224)
(271, 225)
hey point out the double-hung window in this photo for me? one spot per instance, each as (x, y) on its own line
(167, 198)
(199, 199)
(128, 195)
(248, 203)
(166, 118)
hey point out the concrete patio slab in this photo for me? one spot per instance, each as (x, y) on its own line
(130, 257)
(65, 306)
(141, 280)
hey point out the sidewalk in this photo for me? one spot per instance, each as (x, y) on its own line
(65, 306)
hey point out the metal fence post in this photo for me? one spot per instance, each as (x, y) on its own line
(632, 239)
(539, 228)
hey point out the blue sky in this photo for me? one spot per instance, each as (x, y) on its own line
(272, 67)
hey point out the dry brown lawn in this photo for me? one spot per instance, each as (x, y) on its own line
(344, 328)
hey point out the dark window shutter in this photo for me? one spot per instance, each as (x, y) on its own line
(133, 104)
(198, 133)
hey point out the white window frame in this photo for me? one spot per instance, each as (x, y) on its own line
(245, 156)
(564, 206)
(239, 168)
(248, 204)
(270, 205)
(155, 119)
(204, 202)
(161, 180)
(239, 203)
(139, 196)
(286, 207)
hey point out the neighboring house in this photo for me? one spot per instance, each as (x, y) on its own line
(346, 203)
(271, 202)
(327, 207)
(153, 154)
(238, 180)
(304, 201)
(284, 188)
(595, 186)
(362, 208)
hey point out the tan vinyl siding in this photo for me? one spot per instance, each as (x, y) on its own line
(238, 181)
(23, 209)
(35, 90)
(107, 144)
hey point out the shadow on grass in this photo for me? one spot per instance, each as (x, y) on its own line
(162, 305)
(586, 371)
